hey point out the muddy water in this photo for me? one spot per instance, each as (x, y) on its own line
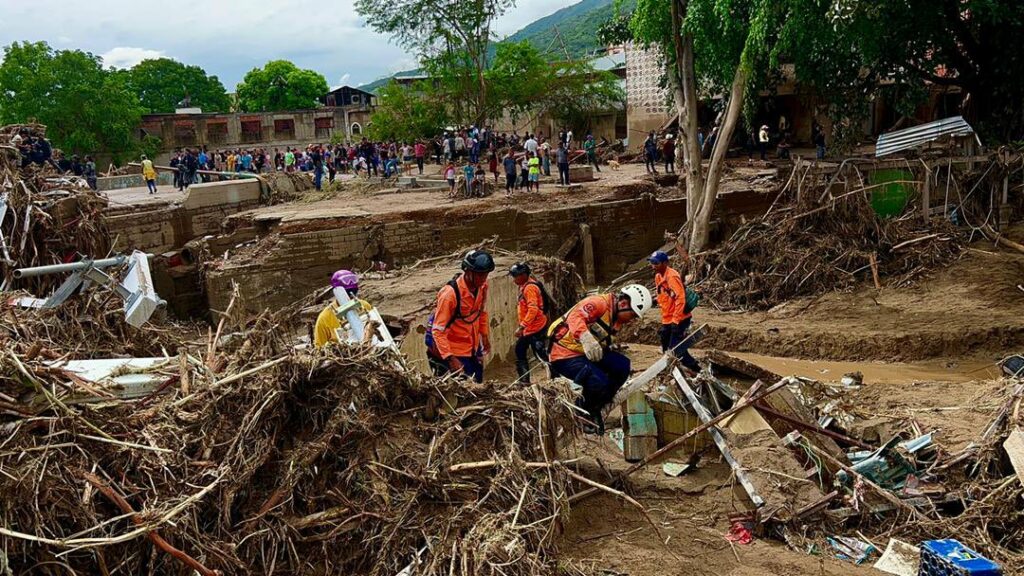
(879, 372)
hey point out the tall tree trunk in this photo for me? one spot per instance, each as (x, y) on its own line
(701, 223)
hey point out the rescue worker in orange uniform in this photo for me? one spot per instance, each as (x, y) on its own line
(531, 312)
(459, 335)
(675, 320)
(580, 346)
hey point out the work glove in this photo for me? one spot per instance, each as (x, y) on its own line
(591, 348)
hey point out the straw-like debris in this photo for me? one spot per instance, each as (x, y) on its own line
(260, 459)
(45, 218)
(819, 244)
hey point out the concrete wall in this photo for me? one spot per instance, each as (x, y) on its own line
(299, 261)
(165, 228)
(224, 131)
(647, 103)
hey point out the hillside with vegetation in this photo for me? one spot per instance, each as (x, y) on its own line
(570, 31)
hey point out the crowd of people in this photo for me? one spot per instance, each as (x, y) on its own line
(473, 152)
(36, 149)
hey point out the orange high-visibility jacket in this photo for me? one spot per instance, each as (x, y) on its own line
(530, 309)
(671, 296)
(460, 333)
(595, 313)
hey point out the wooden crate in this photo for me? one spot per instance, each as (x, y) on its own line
(674, 421)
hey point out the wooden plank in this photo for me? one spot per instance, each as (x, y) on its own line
(1014, 446)
(716, 435)
(589, 270)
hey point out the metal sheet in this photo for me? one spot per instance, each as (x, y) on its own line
(908, 138)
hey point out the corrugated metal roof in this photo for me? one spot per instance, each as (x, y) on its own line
(609, 62)
(892, 142)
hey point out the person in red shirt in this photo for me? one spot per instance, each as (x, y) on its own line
(420, 152)
(668, 154)
(675, 320)
(580, 341)
(531, 312)
(459, 335)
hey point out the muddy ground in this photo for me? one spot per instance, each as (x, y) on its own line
(972, 309)
(927, 354)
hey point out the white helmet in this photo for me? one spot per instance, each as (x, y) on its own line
(639, 298)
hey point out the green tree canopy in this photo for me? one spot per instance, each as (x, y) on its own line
(280, 85)
(457, 33)
(84, 107)
(408, 113)
(162, 82)
(522, 81)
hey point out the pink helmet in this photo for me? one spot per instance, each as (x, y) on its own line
(346, 279)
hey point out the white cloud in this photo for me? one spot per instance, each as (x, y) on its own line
(128, 56)
(230, 37)
(344, 79)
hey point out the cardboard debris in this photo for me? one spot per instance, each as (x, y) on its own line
(899, 558)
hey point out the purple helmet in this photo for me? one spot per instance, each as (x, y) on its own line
(346, 279)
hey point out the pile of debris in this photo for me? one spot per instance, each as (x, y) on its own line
(910, 483)
(251, 457)
(818, 243)
(45, 218)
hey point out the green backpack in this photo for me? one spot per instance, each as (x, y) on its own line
(692, 300)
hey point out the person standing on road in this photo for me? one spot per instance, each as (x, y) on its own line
(590, 147)
(545, 157)
(533, 167)
(668, 152)
(651, 153)
(420, 152)
(318, 167)
(149, 174)
(531, 313)
(562, 158)
(675, 319)
(509, 163)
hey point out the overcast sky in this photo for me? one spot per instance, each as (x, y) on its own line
(229, 37)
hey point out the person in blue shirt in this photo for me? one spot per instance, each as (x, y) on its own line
(469, 172)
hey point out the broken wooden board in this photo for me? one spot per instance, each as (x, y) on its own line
(764, 467)
(1014, 446)
(784, 401)
(716, 435)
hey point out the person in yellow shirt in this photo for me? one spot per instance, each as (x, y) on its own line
(327, 323)
(231, 161)
(149, 174)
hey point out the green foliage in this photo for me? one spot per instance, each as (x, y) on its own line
(161, 83)
(280, 85)
(85, 108)
(407, 113)
(964, 44)
(454, 34)
(573, 30)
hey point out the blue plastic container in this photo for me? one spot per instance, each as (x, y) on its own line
(951, 558)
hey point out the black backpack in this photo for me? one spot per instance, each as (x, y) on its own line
(547, 303)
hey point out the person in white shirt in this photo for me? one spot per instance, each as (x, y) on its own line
(531, 144)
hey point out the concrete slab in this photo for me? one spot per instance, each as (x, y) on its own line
(221, 193)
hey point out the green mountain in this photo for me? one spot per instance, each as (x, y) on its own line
(571, 30)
